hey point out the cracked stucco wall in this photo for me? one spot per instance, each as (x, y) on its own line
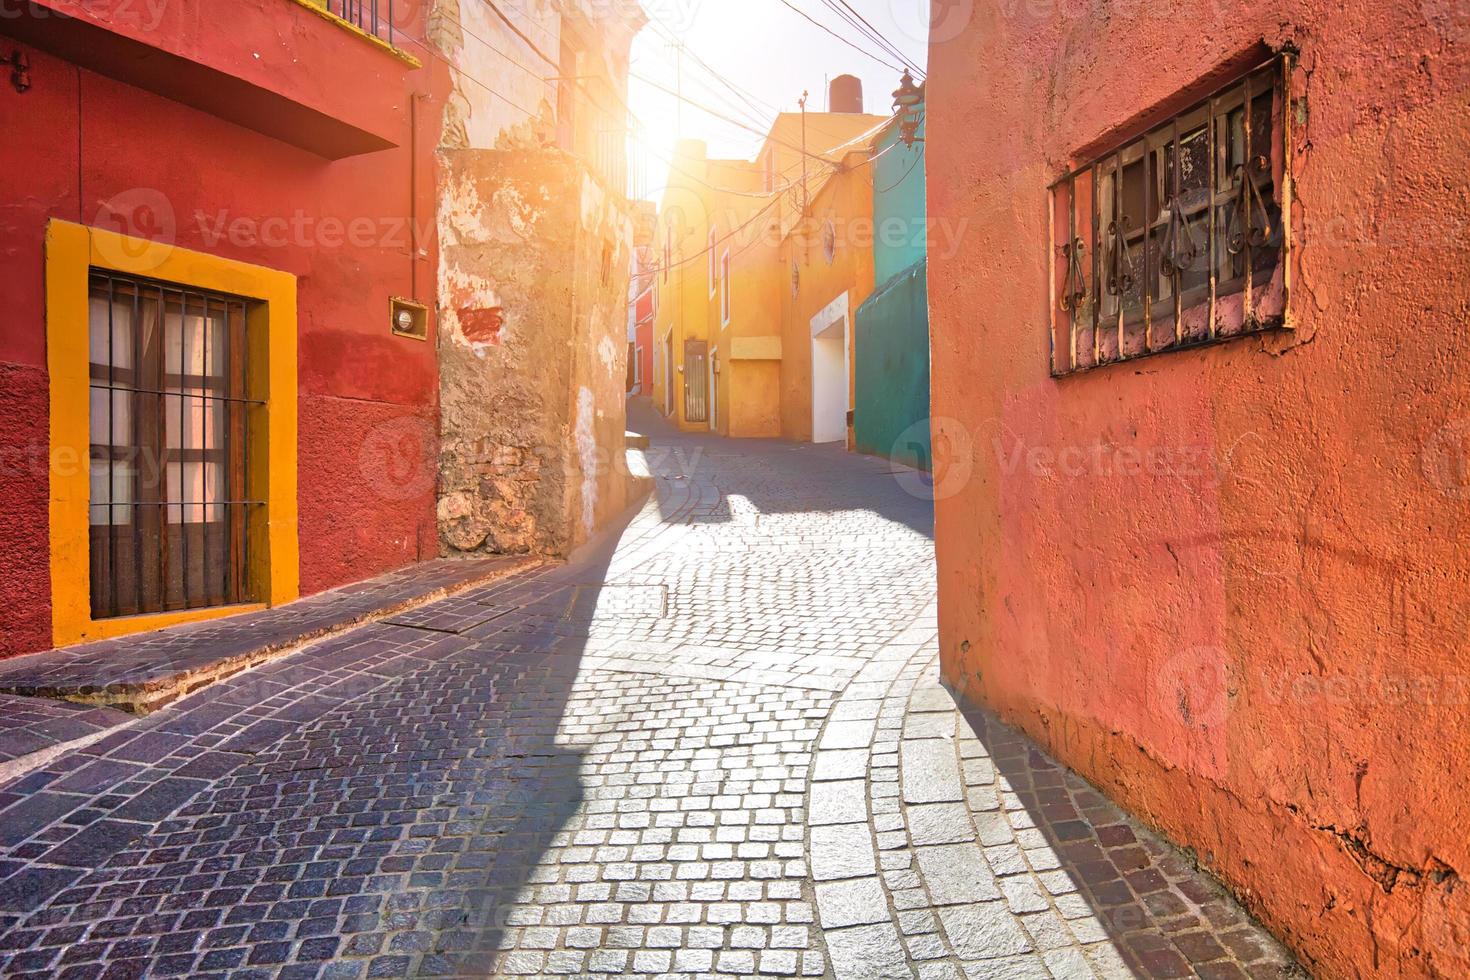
(531, 328)
(1230, 585)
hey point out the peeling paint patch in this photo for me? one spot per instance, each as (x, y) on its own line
(587, 453)
(521, 215)
(460, 212)
(482, 325)
(607, 353)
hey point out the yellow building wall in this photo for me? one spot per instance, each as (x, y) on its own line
(847, 202)
(72, 251)
(751, 207)
(757, 413)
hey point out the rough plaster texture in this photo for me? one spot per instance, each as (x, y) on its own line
(208, 184)
(532, 342)
(846, 201)
(493, 89)
(891, 366)
(1258, 640)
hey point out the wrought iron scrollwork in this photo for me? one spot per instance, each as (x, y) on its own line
(1252, 218)
(1074, 290)
(1120, 277)
(1180, 248)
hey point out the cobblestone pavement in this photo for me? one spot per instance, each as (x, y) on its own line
(717, 748)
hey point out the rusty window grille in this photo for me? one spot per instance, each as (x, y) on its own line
(373, 17)
(1177, 238)
(696, 381)
(171, 511)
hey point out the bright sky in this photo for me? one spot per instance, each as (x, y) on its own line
(766, 49)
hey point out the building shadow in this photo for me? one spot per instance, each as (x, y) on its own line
(772, 476)
(1163, 915)
(385, 797)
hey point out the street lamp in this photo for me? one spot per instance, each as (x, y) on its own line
(906, 102)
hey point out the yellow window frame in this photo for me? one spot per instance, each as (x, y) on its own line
(72, 252)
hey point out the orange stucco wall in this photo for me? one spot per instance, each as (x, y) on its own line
(751, 208)
(1230, 585)
(846, 201)
(753, 413)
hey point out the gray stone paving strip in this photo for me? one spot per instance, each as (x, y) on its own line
(733, 761)
(142, 673)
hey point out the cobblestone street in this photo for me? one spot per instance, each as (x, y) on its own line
(716, 745)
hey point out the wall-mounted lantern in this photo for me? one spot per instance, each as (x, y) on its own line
(906, 102)
(20, 69)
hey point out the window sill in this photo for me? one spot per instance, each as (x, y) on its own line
(318, 7)
(120, 626)
(268, 73)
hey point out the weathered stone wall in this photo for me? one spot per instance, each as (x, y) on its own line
(532, 351)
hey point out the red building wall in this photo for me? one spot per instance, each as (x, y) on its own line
(644, 342)
(1230, 585)
(88, 148)
(644, 286)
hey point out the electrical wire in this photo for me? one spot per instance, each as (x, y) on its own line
(851, 44)
(714, 187)
(434, 55)
(775, 194)
(522, 34)
(850, 14)
(836, 168)
(760, 106)
(721, 241)
(721, 116)
(918, 158)
(742, 107)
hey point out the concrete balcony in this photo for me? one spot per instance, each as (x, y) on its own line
(287, 68)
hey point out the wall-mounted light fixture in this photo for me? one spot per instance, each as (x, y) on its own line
(906, 102)
(20, 69)
(409, 318)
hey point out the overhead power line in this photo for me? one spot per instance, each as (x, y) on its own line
(851, 44)
(729, 119)
(865, 28)
(515, 29)
(719, 241)
(434, 55)
(758, 214)
(757, 104)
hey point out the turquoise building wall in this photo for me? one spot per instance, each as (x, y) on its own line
(900, 223)
(891, 330)
(892, 368)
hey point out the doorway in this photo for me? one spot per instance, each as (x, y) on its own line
(830, 374)
(696, 381)
(714, 390)
(668, 358)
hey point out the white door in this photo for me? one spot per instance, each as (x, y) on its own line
(714, 392)
(830, 396)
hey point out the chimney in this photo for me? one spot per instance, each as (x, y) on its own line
(846, 94)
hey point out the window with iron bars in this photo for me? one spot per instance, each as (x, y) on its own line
(1177, 238)
(373, 17)
(171, 509)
